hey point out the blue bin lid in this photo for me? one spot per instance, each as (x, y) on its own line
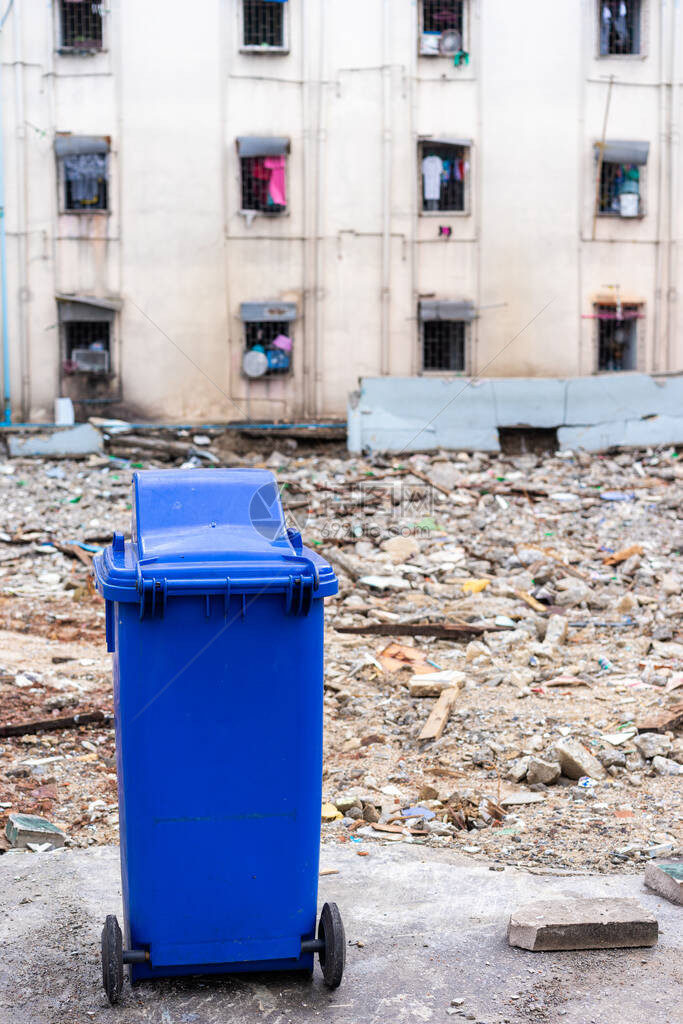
(207, 531)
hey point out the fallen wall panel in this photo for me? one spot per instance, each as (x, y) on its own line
(426, 413)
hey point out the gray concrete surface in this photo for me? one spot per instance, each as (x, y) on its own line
(432, 927)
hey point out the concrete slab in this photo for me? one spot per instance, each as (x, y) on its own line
(581, 924)
(56, 443)
(424, 927)
(666, 879)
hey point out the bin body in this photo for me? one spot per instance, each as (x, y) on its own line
(218, 686)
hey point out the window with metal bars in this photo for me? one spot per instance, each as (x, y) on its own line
(443, 345)
(81, 25)
(86, 346)
(263, 24)
(617, 337)
(257, 191)
(271, 338)
(620, 189)
(445, 172)
(440, 15)
(619, 27)
(85, 181)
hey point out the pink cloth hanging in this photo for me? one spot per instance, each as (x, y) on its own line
(276, 186)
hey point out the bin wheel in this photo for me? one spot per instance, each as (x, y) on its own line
(112, 958)
(333, 957)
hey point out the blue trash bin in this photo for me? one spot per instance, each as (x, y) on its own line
(214, 615)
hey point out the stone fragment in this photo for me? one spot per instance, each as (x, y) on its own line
(556, 630)
(346, 802)
(428, 792)
(666, 879)
(400, 549)
(651, 744)
(517, 769)
(670, 583)
(546, 772)
(573, 595)
(370, 814)
(22, 829)
(576, 760)
(665, 766)
(581, 924)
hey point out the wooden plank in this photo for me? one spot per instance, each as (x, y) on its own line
(441, 712)
(50, 724)
(441, 630)
(531, 601)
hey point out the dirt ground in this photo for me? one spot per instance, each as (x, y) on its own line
(451, 538)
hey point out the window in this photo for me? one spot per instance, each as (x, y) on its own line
(621, 191)
(445, 171)
(263, 24)
(268, 329)
(444, 330)
(86, 347)
(619, 26)
(263, 166)
(442, 28)
(81, 25)
(617, 336)
(83, 171)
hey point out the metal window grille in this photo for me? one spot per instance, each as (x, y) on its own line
(85, 181)
(619, 26)
(440, 15)
(454, 175)
(617, 337)
(81, 25)
(264, 23)
(262, 333)
(615, 179)
(443, 345)
(86, 336)
(255, 178)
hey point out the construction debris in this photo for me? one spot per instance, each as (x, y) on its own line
(597, 661)
(666, 879)
(581, 924)
(26, 829)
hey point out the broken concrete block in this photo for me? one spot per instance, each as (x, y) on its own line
(581, 924)
(400, 549)
(576, 760)
(22, 829)
(665, 766)
(666, 879)
(556, 630)
(546, 772)
(651, 744)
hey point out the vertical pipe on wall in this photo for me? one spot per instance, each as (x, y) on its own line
(318, 227)
(22, 217)
(658, 312)
(674, 143)
(308, 299)
(385, 365)
(415, 359)
(7, 390)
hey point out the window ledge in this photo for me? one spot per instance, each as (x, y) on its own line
(78, 51)
(265, 49)
(617, 216)
(447, 213)
(79, 213)
(444, 373)
(621, 56)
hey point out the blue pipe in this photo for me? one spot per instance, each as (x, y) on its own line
(3, 254)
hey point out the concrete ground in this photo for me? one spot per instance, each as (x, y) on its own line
(424, 928)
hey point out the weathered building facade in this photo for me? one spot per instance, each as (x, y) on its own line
(240, 208)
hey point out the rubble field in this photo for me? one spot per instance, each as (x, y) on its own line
(542, 729)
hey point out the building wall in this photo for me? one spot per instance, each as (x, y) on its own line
(173, 91)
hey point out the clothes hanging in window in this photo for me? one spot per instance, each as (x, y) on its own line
(277, 190)
(432, 167)
(84, 172)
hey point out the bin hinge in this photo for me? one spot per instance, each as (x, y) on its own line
(299, 595)
(153, 593)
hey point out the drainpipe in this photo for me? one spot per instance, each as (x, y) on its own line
(386, 187)
(674, 145)
(3, 254)
(22, 217)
